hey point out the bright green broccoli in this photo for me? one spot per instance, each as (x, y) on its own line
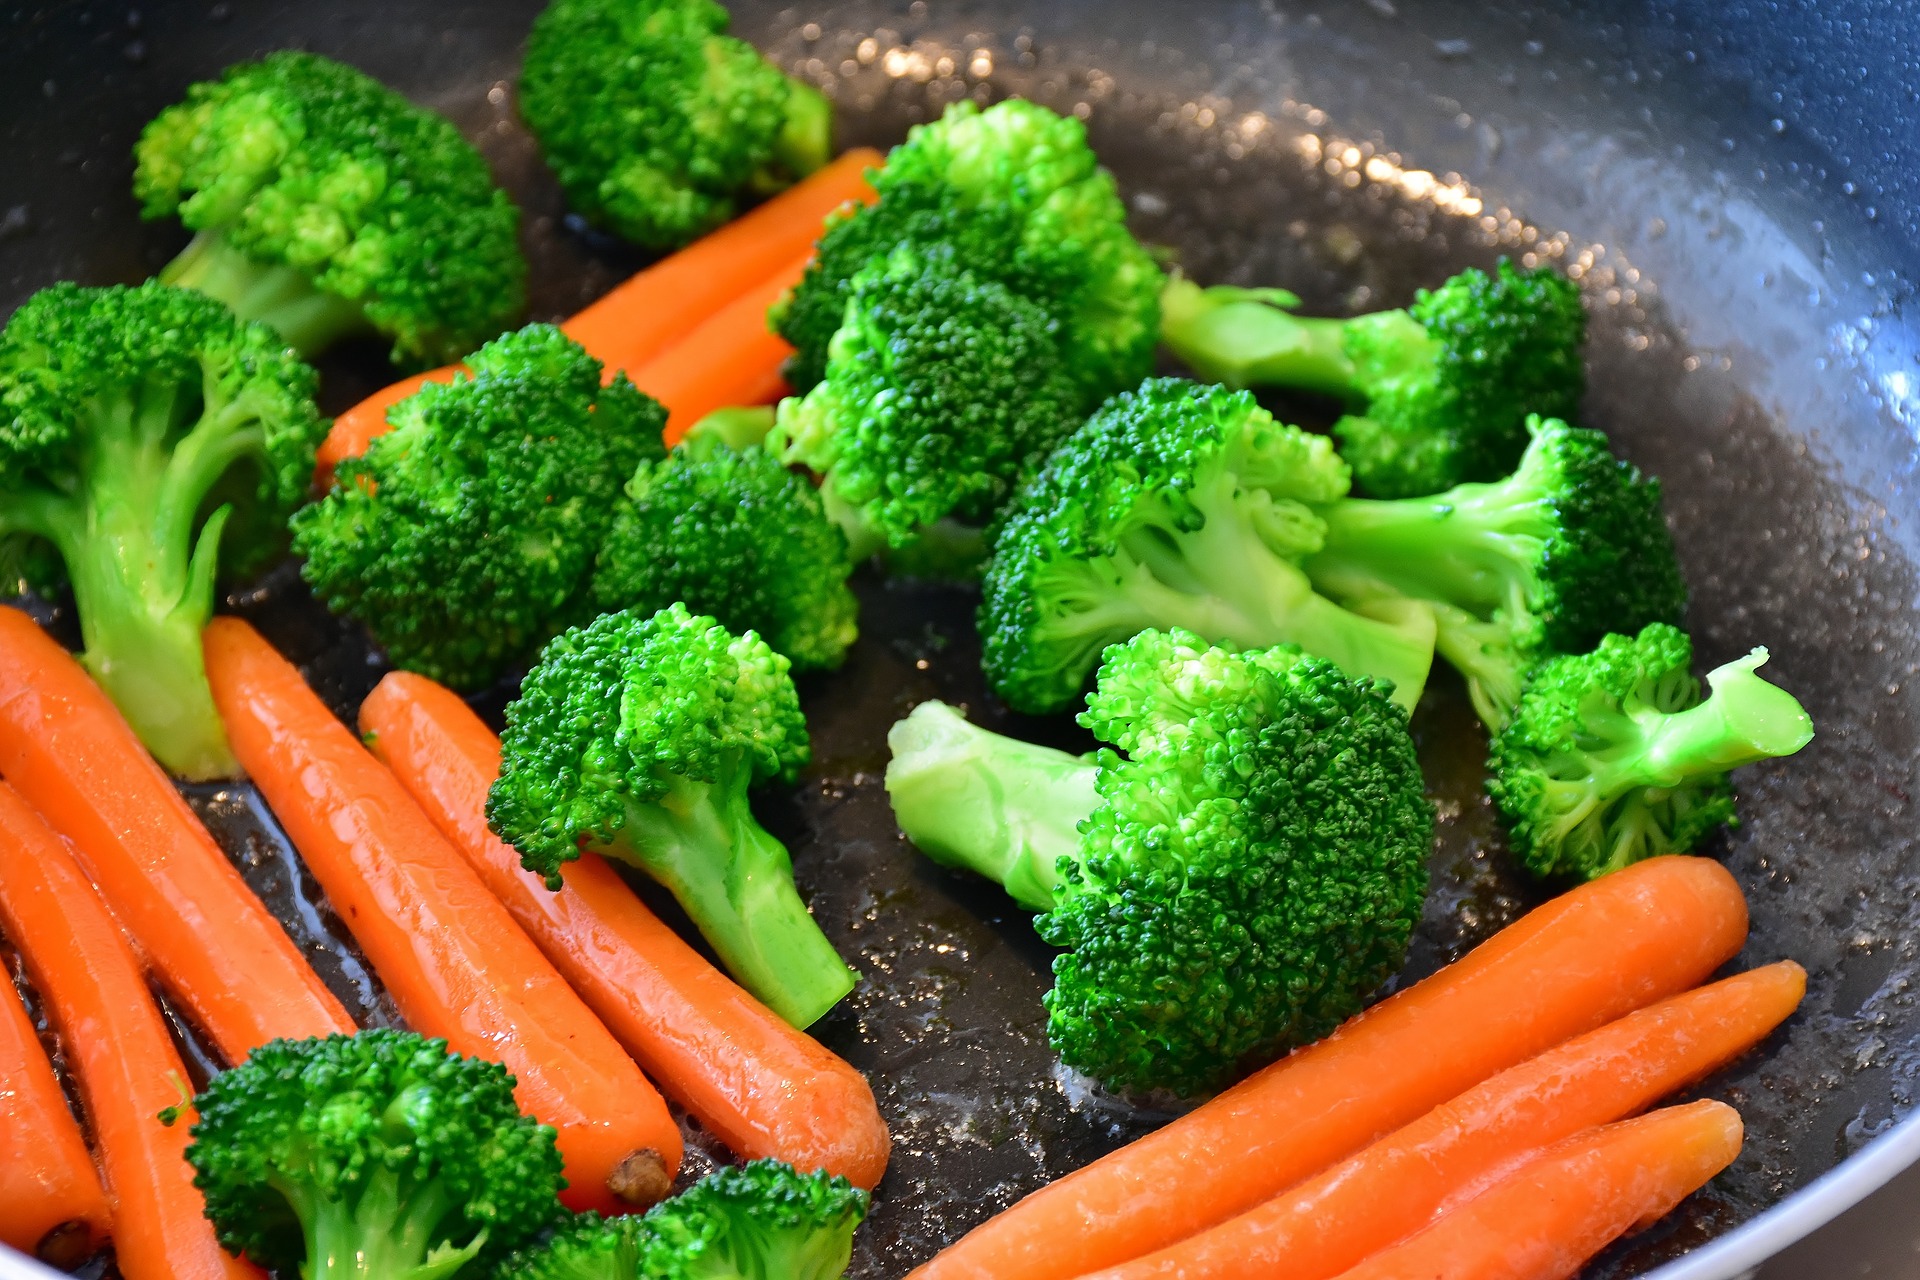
(1233, 884)
(1178, 505)
(1019, 198)
(1571, 546)
(760, 1221)
(639, 736)
(379, 1154)
(736, 535)
(1612, 757)
(136, 426)
(656, 121)
(465, 537)
(1446, 385)
(323, 204)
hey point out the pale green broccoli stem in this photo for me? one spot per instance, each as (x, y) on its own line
(983, 802)
(736, 427)
(1745, 719)
(384, 1235)
(946, 550)
(735, 881)
(276, 295)
(1251, 338)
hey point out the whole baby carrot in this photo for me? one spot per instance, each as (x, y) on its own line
(51, 1203)
(764, 1088)
(1576, 963)
(66, 749)
(126, 1064)
(455, 962)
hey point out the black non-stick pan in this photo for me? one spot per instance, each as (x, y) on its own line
(1735, 187)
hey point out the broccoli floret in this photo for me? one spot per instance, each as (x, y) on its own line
(639, 736)
(942, 391)
(656, 122)
(1178, 505)
(1612, 757)
(1446, 385)
(1571, 546)
(760, 1221)
(1020, 199)
(376, 1154)
(136, 425)
(323, 203)
(464, 537)
(1231, 877)
(736, 535)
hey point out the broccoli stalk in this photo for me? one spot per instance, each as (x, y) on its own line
(279, 296)
(128, 414)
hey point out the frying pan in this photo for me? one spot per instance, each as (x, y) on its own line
(1736, 189)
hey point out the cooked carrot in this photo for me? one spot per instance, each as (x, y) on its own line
(1394, 1187)
(731, 358)
(126, 1064)
(1590, 956)
(764, 1088)
(1544, 1220)
(454, 960)
(49, 1190)
(68, 752)
(355, 429)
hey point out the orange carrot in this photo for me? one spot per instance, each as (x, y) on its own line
(453, 959)
(1590, 956)
(48, 1186)
(764, 1088)
(127, 1066)
(732, 358)
(1546, 1218)
(355, 429)
(66, 749)
(1394, 1187)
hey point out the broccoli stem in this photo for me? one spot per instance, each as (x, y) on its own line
(983, 802)
(1251, 338)
(735, 881)
(277, 295)
(385, 1234)
(1743, 720)
(944, 551)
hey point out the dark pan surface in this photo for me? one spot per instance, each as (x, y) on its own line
(1749, 348)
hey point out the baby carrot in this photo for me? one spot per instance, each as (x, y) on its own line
(1394, 1187)
(65, 748)
(763, 1087)
(127, 1066)
(731, 358)
(1576, 963)
(49, 1190)
(453, 959)
(1546, 1218)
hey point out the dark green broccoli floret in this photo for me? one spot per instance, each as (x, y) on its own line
(638, 736)
(1019, 198)
(736, 535)
(464, 537)
(323, 203)
(1446, 384)
(136, 424)
(1571, 546)
(760, 1221)
(656, 122)
(1612, 757)
(376, 1154)
(1178, 505)
(943, 390)
(1233, 884)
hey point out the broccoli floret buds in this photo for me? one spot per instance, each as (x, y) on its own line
(324, 203)
(1611, 756)
(1230, 878)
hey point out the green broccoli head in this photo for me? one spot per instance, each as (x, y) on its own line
(1177, 505)
(376, 1154)
(639, 735)
(942, 391)
(1572, 545)
(136, 425)
(656, 121)
(737, 535)
(324, 203)
(760, 1221)
(1232, 880)
(1612, 757)
(464, 537)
